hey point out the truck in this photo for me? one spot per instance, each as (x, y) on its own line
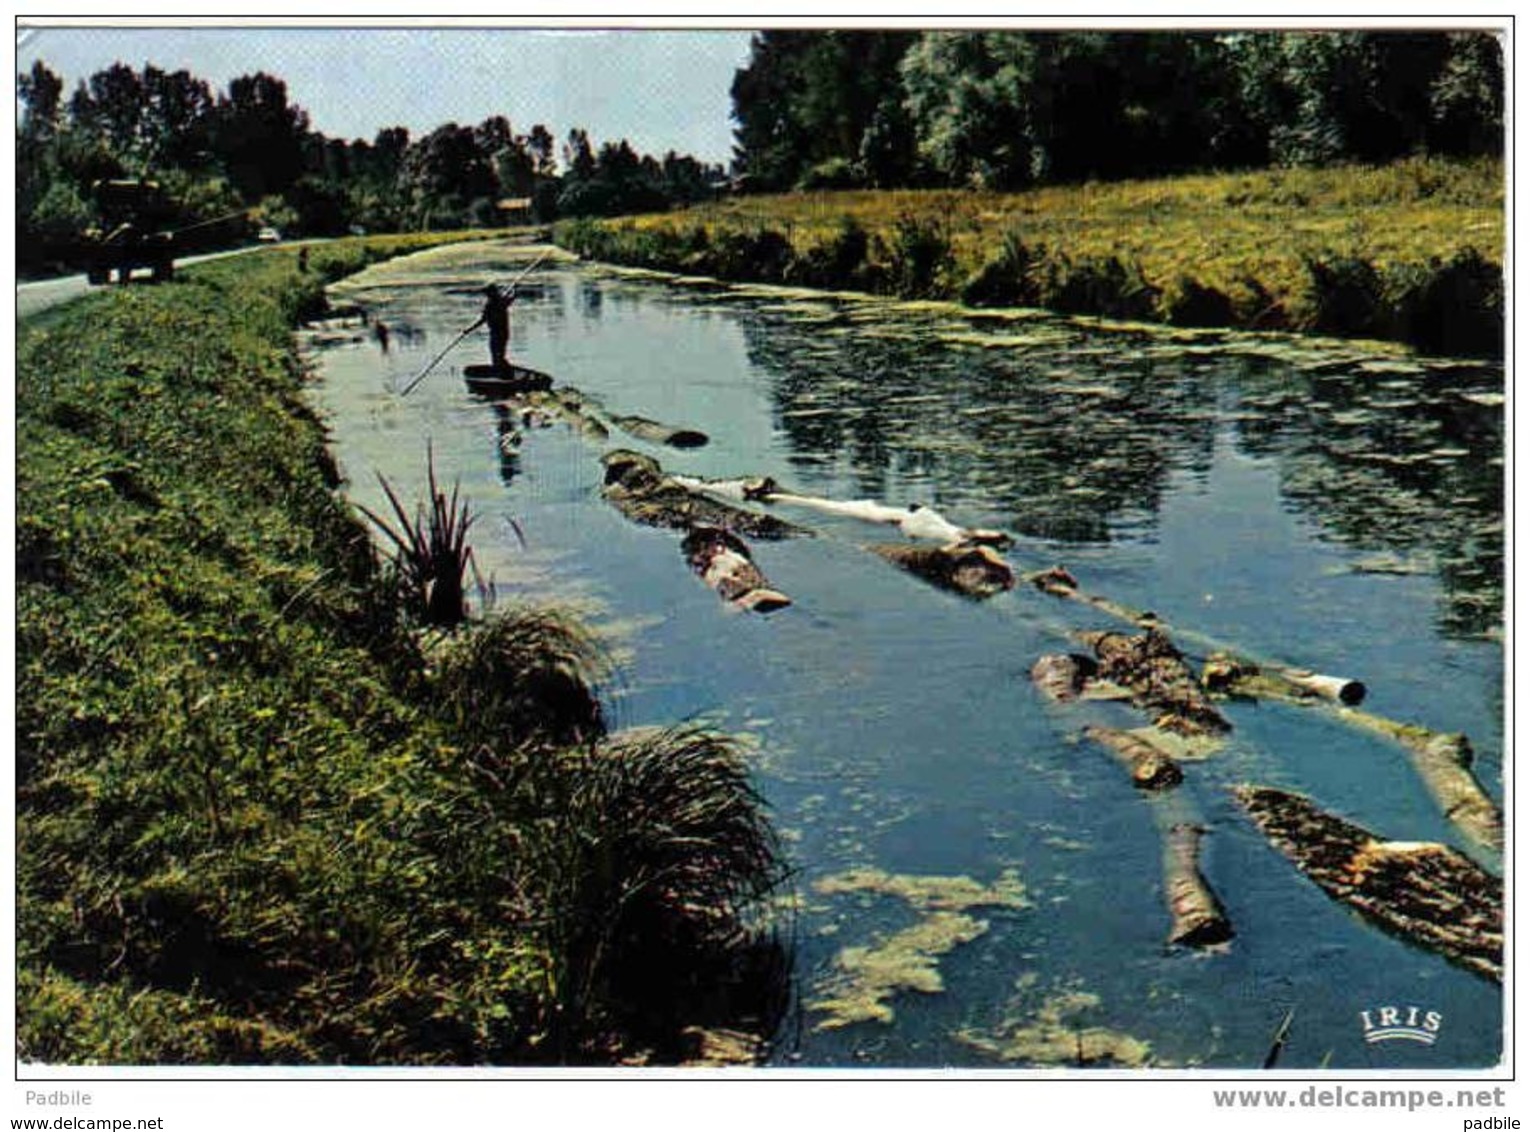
(132, 232)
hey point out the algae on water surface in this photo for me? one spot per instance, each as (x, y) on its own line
(1056, 1035)
(865, 978)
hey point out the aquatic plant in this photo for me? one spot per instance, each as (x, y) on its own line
(918, 256)
(1005, 279)
(867, 977)
(838, 260)
(1055, 1035)
(431, 557)
(522, 673)
(658, 893)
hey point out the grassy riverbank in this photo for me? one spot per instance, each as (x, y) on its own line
(262, 815)
(1410, 251)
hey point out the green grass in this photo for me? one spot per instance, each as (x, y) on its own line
(1411, 251)
(264, 814)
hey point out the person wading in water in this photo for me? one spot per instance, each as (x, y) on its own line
(496, 314)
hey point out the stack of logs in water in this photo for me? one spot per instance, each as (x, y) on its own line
(1428, 893)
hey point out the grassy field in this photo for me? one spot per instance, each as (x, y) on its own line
(1409, 251)
(265, 813)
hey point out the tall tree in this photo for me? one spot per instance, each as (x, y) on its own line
(808, 98)
(108, 107)
(1466, 97)
(259, 136)
(969, 96)
(177, 119)
(41, 94)
(447, 179)
(540, 143)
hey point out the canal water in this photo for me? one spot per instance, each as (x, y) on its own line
(976, 885)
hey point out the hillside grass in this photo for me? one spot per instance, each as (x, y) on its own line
(1411, 250)
(263, 814)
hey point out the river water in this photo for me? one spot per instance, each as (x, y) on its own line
(978, 886)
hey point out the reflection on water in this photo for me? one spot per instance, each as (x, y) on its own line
(1068, 439)
(1402, 457)
(1321, 503)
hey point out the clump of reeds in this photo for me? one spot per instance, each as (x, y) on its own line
(523, 673)
(431, 558)
(660, 910)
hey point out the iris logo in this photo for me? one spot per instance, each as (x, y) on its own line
(1401, 1023)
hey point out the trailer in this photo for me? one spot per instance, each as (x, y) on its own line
(132, 232)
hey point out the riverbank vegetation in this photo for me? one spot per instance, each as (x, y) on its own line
(1409, 251)
(821, 109)
(264, 814)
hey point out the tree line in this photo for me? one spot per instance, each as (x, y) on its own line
(231, 160)
(1004, 110)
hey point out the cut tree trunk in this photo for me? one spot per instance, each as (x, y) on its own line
(1155, 673)
(1151, 769)
(1236, 676)
(1444, 762)
(723, 561)
(977, 571)
(656, 433)
(1424, 892)
(1198, 917)
(639, 489)
(1063, 676)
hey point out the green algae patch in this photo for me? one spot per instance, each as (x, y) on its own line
(930, 893)
(867, 977)
(1056, 1035)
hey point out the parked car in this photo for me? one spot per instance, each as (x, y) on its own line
(269, 235)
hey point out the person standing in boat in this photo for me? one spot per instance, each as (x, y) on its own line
(496, 315)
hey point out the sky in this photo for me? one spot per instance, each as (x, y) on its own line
(659, 89)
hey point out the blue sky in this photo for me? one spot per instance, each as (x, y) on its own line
(659, 89)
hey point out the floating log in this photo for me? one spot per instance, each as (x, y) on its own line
(656, 433)
(974, 571)
(569, 406)
(724, 562)
(917, 521)
(1444, 762)
(1159, 680)
(1063, 676)
(638, 487)
(1423, 892)
(1286, 682)
(748, 489)
(1059, 583)
(1232, 675)
(1198, 919)
(1151, 769)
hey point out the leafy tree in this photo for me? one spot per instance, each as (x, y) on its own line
(109, 108)
(61, 213)
(578, 156)
(443, 174)
(177, 124)
(259, 136)
(969, 98)
(1466, 97)
(41, 94)
(540, 144)
(806, 98)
